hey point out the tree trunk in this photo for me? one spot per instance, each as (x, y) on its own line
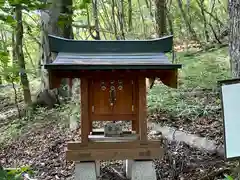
(14, 57)
(130, 25)
(234, 37)
(3, 47)
(57, 20)
(114, 20)
(121, 18)
(186, 20)
(202, 7)
(161, 17)
(20, 55)
(96, 20)
(170, 24)
(67, 9)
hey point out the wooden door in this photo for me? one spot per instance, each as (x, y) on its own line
(112, 99)
(124, 97)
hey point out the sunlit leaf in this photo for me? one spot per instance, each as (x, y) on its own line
(227, 177)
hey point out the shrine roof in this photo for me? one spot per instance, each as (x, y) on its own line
(100, 55)
(112, 61)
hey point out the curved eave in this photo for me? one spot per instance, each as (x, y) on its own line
(111, 67)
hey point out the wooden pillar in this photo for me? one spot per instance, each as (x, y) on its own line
(90, 90)
(135, 123)
(135, 126)
(142, 108)
(84, 111)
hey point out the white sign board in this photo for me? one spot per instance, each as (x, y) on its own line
(231, 115)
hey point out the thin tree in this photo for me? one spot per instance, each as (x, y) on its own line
(161, 17)
(234, 37)
(20, 55)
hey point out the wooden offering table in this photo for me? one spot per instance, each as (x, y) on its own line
(113, 88)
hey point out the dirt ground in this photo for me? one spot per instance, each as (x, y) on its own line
(43, 148)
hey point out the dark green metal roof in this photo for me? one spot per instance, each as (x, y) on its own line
(107, 55)
(58, 44)
(112, 61)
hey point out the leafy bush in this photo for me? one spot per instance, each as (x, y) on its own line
(14, 174)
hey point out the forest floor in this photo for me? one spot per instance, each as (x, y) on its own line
(39, 140)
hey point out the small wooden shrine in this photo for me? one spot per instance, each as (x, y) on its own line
(113, 88)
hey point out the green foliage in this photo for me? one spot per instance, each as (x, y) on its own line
(8, 19)
(205, 69)
(227, 177)
(199, 72)
(7, 71)
(28, 4)
(143, 18)
(84, 3)
(14, 174)
(7, 8)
